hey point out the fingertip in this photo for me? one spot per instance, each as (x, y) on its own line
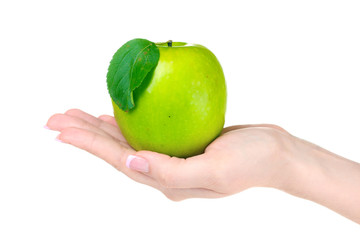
(73, 112)
(58, 139)
(137, 163)
(52, 122)
(108, 119)
(71, 134)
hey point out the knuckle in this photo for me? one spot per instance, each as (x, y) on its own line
(171, 195)
(67, 133)
(100, 124)
(277, 127)
(92, 141)
(73, 112)
(221, 183)
(219, 178)
(104, 117)
(166, 179)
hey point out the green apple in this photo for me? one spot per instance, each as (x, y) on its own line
(180, 106)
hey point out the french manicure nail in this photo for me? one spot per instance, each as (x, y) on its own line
(46, 127)
(58, 138)
(137, 163)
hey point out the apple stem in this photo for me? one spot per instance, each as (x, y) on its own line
(169, 43)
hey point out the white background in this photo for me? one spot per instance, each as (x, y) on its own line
(291, 63)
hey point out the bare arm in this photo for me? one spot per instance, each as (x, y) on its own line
(325, 178)
(242, 157)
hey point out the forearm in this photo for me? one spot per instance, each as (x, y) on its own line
(325, 178)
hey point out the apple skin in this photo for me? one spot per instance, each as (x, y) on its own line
(180, 107)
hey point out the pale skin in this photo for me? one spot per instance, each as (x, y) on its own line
(243, 156)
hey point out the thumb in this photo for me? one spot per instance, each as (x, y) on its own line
(173, 172)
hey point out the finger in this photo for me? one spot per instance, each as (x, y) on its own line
(99, 123)
(109, 119)
(114, 153)
(172, 172)
(83, 115)
(231, 128)
(58, 122)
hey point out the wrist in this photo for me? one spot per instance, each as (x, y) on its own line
(303, 167)
(285, 172)
(299, 165)
(288, 165)
(318, 175)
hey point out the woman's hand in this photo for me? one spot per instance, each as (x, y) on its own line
(242, 157)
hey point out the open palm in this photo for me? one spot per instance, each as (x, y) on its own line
(241, 157)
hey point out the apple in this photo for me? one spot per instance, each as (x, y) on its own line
(180, 106)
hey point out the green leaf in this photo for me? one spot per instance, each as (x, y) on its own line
(128, 68)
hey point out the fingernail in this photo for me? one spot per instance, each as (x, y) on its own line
(58, 138)
(137, 163)
(46, 127)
